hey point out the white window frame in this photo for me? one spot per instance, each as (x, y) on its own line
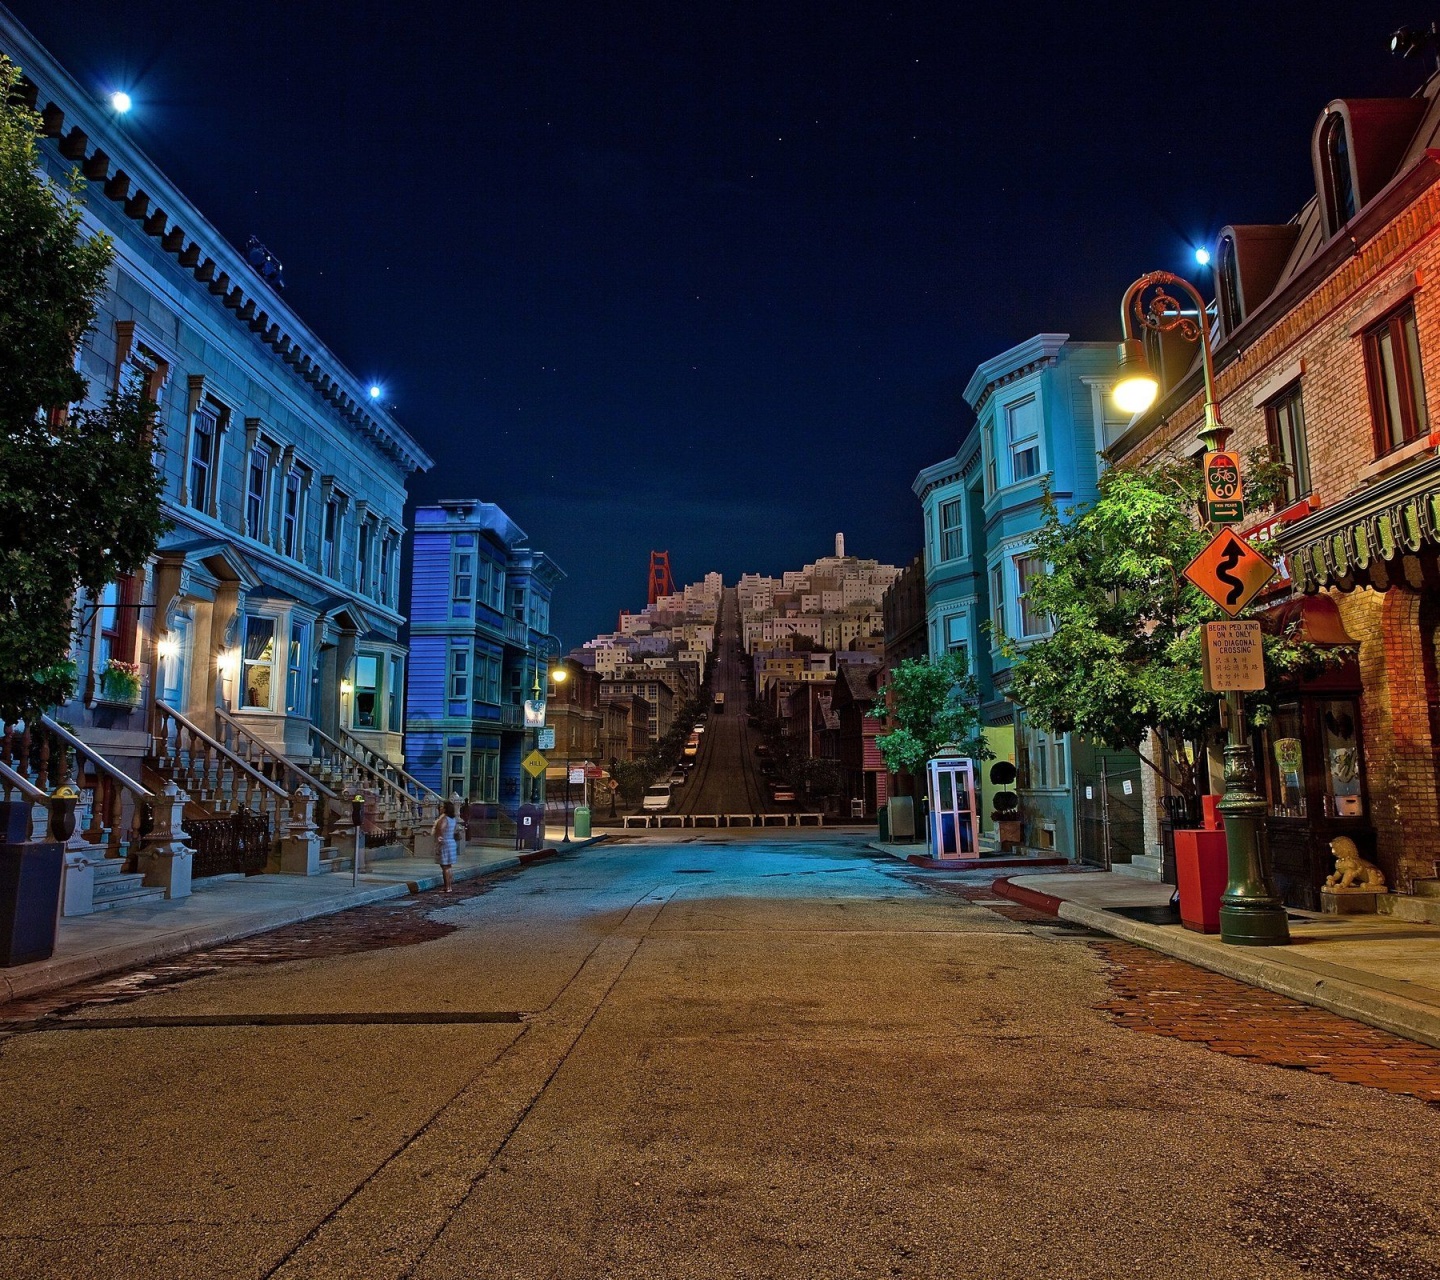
(999, 624)
(1035, 441)
(949, 533)
(1026, 553)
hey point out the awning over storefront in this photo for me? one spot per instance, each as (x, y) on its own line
(1316, 620)
(1385, 536)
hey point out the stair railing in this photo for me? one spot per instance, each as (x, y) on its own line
(405, 781)
(121, 809)
(342, 764)
(278, 768)
(15, 786)
(211, 774)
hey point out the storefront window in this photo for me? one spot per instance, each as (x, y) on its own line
(259, 677)
(1286, 764)
(1340, 739)
(367, 671)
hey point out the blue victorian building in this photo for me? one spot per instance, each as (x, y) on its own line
(1042, 417)
(480, 647)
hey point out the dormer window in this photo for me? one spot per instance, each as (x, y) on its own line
(1339, 176)
(1227, 286)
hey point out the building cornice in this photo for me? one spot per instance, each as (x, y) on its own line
(134, 184)
(1034, 353)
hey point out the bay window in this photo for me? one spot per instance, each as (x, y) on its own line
(257, 688)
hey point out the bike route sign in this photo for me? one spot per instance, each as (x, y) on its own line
(1224, 490)
(1230, 571)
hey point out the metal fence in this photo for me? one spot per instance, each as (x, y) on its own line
(239, 842)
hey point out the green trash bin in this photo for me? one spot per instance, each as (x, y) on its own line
(582, 822)
(884, 824)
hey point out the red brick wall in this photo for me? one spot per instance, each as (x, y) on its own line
(1397, 660)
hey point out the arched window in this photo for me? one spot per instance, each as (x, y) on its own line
(1339, 182)
(1227, 273)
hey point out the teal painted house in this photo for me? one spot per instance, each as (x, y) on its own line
(1043, 415)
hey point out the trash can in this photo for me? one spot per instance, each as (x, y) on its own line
(30, 873)
(582, 822)
(884, 823)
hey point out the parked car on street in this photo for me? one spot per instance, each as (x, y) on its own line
(657, 798)
(782, 792)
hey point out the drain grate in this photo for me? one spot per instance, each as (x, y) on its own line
(140, 1022)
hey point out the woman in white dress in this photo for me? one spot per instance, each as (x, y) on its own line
(444, 831)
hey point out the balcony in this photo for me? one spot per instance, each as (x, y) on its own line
(516, 632)
(512, 718)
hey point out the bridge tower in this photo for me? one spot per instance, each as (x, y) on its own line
(661, 583)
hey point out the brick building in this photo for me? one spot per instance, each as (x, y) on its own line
(1327, 346)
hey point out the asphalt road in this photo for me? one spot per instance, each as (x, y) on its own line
(733, 1059)
(725, 778)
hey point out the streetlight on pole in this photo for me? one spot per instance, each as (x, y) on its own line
(1251, 913)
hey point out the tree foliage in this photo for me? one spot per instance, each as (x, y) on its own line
(79, 491)
(932, 703)
(1123, 657)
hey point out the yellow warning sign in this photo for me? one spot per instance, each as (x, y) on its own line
(534, 764)
(1230, 571)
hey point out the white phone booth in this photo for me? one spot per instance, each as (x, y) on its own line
(954, 821)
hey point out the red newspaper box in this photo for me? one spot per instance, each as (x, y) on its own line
(1202, 868)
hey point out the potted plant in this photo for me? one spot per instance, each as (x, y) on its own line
(120, 682)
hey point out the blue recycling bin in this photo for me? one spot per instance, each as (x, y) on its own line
(529, 826)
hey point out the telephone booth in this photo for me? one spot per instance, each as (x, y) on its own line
(954, 821)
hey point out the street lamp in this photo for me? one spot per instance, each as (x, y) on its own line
(1251, 913)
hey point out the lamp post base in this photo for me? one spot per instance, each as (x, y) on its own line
(1254, 926)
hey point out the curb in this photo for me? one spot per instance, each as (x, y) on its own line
(18, 985)
(1032, 898)
(1328, 986)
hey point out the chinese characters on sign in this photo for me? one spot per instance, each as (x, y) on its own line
(1232, 656)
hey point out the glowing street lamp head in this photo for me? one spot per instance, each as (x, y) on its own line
(559, 675)
(1135, 387)
(1202, 256)
(374, 391)
(120, 100)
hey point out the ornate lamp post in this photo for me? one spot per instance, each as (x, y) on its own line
(1251, 913)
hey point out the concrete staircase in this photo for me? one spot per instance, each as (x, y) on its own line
(116, 888)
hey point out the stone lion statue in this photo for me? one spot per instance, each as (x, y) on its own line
(1351, 870)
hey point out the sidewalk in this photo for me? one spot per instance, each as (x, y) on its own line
(224, 908)
(916, 852)
(1375, 969)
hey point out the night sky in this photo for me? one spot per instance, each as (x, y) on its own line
(712, 277)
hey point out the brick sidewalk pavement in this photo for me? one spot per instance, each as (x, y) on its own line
(1158, 995)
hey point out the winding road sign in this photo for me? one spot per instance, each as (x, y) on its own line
(1230, 571)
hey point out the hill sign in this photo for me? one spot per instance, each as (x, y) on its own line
(1224, 490)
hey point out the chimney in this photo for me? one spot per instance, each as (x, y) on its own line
(839, 546)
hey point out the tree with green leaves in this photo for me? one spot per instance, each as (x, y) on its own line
(1123, 657)
(932, 702)
(79, 489)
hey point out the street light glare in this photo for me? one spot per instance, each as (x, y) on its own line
(1202, 256)
(374, 392)
(559, 675)
(1136, 393)
(120, 101)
